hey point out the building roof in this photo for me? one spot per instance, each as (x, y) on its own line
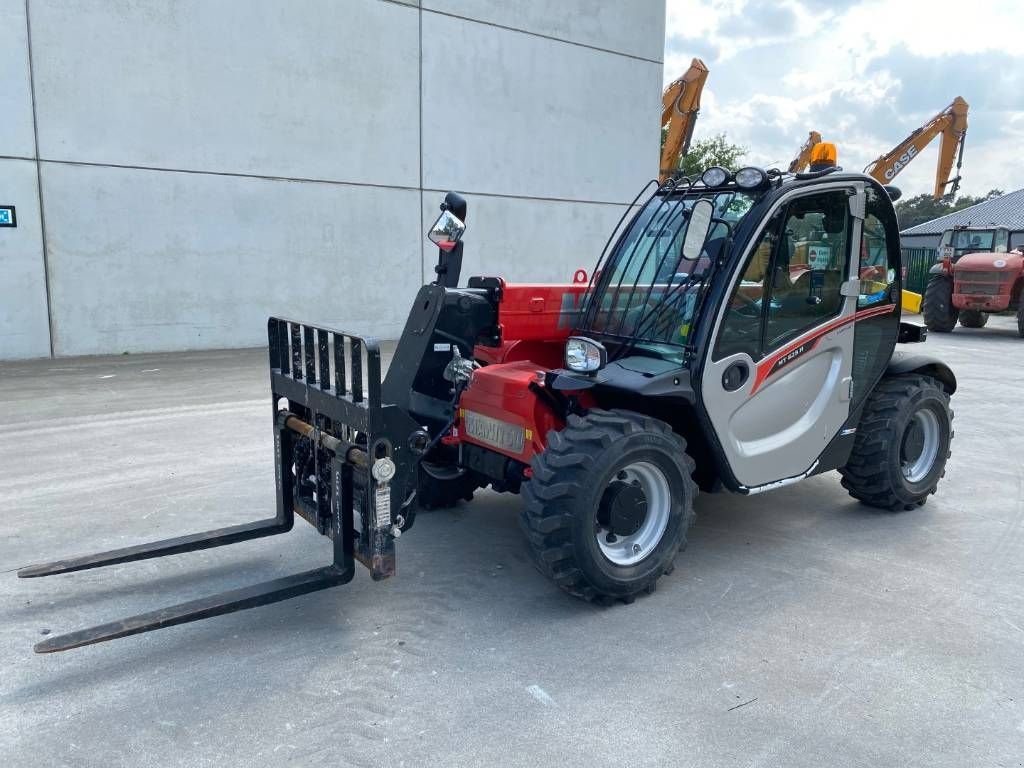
(1006, 211)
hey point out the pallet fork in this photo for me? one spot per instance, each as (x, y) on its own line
(339, 453)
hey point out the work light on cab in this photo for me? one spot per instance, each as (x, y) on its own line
(584, 355)
(715, 176)
(751, 178)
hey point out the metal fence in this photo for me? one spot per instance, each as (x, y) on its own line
(916, 263)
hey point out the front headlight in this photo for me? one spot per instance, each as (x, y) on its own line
(584, 355)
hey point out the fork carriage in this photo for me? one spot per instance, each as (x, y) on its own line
(337, 465)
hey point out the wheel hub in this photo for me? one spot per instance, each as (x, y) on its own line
(623, 508)
(919, 448)
(633, 513)
(913, 442)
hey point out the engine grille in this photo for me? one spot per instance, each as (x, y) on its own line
(981, 283)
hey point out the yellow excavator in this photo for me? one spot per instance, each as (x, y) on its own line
(679, 107)
(803, 159)
(951, 124)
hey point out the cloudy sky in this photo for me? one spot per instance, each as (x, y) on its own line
(864, 73)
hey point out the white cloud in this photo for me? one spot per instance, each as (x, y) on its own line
(865, 74)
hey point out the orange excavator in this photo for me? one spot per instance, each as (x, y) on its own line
(951, 124)
(679, 107)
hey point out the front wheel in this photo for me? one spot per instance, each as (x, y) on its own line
(902, 444)
(609, 504)
(939, 313)
(973, 318)
(1020, 318)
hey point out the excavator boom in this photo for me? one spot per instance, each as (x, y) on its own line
(951, 125)
(679, 107)
(801, 161)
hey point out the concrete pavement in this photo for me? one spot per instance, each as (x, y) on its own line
(799, 628)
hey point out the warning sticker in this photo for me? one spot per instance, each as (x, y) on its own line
(819, 256)
(383, 510)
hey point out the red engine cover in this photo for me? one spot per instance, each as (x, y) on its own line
(534, 320)
(502, 392)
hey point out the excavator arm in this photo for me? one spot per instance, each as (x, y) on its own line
(803, 159)
(679, 107)
(951, 125)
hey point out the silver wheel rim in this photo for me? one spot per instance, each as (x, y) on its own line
(630, 550)
(916, 469)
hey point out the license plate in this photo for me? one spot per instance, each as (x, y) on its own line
(500, 434)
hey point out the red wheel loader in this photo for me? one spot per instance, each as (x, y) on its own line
(696, 355)
(976, 275)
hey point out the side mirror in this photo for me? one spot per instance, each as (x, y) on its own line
(698, 229)
(447, 231)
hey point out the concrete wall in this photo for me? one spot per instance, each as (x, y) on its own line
(202, 165)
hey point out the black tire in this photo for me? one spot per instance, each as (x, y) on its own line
(442, 487)
(569, 490)
(939, 313)
(973, 318)
(1020, 318)
(875, 472)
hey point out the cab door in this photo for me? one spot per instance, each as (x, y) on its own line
(777, 380)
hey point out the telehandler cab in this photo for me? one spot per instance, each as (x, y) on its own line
(737, 332)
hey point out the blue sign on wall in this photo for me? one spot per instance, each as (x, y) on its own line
(7, 216)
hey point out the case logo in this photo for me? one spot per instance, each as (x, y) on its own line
(901, 162)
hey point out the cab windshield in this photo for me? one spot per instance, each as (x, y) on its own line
(974, 240)
(646, 291)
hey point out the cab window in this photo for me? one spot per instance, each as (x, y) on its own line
(880, 283)
(877, 274)
(967, 241)
(808, 267)
(741, 327)
(1002, 241)
(790, 282)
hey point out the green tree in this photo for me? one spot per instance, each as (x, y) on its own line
(921, 208)
(714, 151)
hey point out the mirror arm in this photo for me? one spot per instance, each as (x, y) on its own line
(449, 266)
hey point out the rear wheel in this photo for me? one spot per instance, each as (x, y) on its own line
(902, 444)
(973, 318)
(939, 313)
(609, 504)
(1020, 318)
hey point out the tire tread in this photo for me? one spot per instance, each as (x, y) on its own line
(939, 314)
(867, 473)
(562, 472)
